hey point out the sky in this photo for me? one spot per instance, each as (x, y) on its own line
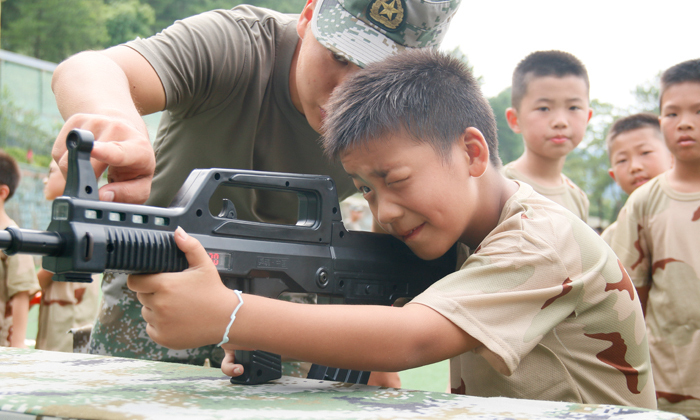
(622, 43)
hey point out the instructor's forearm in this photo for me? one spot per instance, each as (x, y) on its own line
(92, 83)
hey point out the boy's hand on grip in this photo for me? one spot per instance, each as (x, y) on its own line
(187, 309)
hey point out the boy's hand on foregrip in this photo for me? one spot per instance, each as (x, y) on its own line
(119, 146)
(188, 309)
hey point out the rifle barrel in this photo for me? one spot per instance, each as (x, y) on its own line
(27, 241)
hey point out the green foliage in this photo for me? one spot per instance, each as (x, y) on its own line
(54, 29)
(19, 154)
(647, 96)
(510, 145)
(21, 128)
(128, 19)
(168, 11)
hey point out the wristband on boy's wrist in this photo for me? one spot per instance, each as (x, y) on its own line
(233, 318)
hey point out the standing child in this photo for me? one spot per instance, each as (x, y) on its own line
(637, 153)
(541, 309)
(658, 241)
(550, 109)
(17, 275)
(64, 305)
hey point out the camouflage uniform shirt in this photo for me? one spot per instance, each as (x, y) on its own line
(556, 314)
(567, 194)
(17, 274)
(658, 241)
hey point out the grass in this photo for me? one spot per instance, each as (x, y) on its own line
(433, 377)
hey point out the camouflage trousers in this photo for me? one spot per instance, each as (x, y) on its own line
(120, 330)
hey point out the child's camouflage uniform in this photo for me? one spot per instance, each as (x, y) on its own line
(17, 274)
(658, 240)
(608, 233)
(567, 194)
(66, 305)
(555, 311)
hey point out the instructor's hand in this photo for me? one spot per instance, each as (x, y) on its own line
(119, 146)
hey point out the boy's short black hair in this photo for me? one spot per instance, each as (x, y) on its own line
(9, 173)
(632, 122)
(687, 71)
(429, 95)
(541, 64)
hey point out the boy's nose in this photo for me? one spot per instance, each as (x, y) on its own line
(387, 211)
(635, 165)
(559, 120)
(685, 123)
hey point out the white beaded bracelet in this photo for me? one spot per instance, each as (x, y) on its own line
(233, 317)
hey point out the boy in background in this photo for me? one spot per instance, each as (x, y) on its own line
(525, 317)
(64, 305)
(550, 109)
(17, 276)
(658, 241)
(637, 153)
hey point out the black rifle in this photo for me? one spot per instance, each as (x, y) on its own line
(316, 255)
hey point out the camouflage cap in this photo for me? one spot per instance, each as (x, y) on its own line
(365, 31)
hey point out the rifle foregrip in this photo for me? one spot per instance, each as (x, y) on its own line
(142, 251)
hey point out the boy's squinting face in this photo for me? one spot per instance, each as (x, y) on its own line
(636, 156)
(413, 193)
(680, 121)
(553, 115)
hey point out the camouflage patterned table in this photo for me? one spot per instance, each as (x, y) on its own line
(84, 386)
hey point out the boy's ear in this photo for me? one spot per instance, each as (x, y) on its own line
(512, 118)
(477, 151)
(305, 18)
(612, 174)
(4, 192)
(590, 114)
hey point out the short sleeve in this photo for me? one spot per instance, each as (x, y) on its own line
(510, 293)
(21, 275)
(199, 60)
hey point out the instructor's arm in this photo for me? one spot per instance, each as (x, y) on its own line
(106, 92)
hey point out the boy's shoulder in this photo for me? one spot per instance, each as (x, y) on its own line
(528, 209)
(655, 196)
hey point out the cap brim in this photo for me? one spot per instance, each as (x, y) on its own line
(350, 37)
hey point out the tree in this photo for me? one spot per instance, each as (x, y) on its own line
(54, 29)
(128, 19)
(22, 129)
(168, 11)
(510, 145)
(647, 96)
(588, 165)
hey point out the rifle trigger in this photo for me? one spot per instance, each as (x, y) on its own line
(228, 210)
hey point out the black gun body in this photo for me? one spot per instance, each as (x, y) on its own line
(316, 255)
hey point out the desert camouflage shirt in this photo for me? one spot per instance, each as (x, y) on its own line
(556, 314)
(567, 194)
(658, 241)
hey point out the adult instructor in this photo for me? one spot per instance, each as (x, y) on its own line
(242, 88)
